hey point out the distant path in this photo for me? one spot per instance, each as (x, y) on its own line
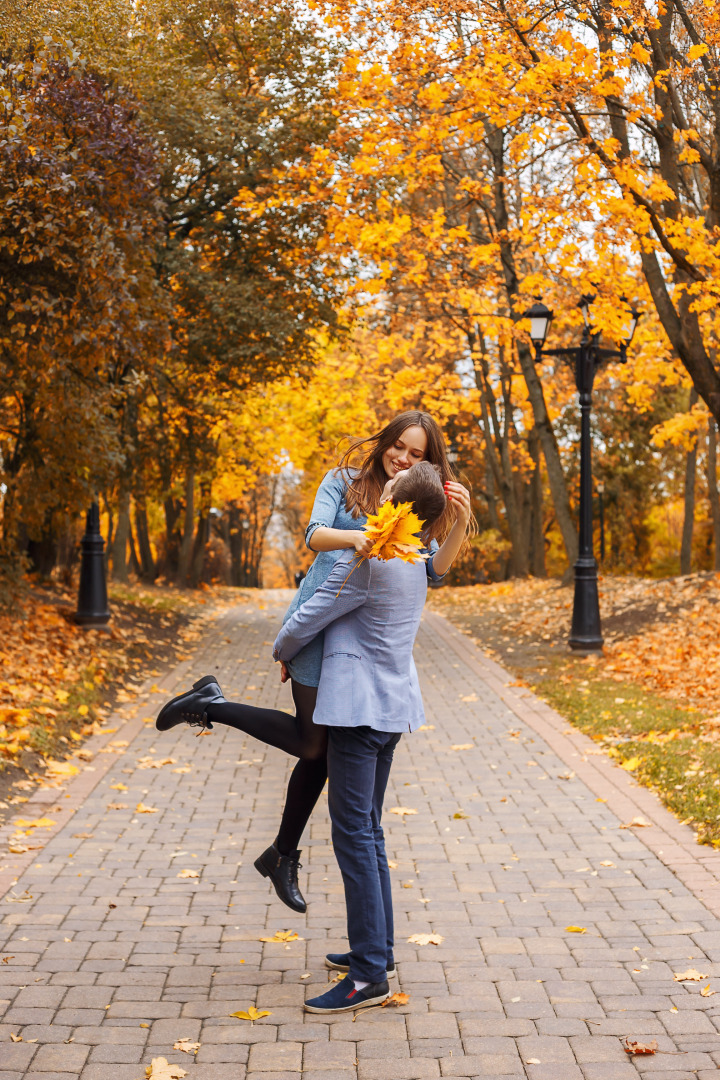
(112, 956)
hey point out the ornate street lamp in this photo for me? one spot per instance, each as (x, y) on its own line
(586, 359)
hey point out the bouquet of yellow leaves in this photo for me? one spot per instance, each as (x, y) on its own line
(393, 531)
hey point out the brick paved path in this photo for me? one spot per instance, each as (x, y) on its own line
(112, 955)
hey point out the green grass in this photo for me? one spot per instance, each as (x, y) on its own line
(155, 601)
(667, 747)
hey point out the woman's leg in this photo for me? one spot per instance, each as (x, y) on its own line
(309, 775)
(296, 735)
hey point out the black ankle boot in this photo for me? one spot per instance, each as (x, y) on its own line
(282, 871)
(191, 707)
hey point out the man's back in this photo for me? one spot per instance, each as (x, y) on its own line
(368, 674)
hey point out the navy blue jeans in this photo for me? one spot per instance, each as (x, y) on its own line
(359, 761)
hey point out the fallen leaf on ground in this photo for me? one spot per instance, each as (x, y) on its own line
(83, 835)
(183, 769)
(395, 1000)
(632, 1046)
(36, 823)
(533, 1061)
(15, 1038)
(61, 768)
(141, 808)
(402, 810)
(118, 787)
(188, 874)
(24, 898)
(117, 806)
(252, 1014)
(392, 865)
(691, 975)
(576, 929)
(425, 939)
(161, 1069)
(426, 727)
(707, 992)
(307, 975)
(463, 746)
(7, 959)
(460, 815)
(606, 862)
(631, 764)
(283, 935)
(186, 1046)
(637, 823)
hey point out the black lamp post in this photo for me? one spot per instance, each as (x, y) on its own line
(587, 358)
(92, 609)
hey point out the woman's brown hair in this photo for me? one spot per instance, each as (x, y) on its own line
(365, 489)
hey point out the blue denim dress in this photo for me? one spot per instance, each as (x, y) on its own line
(328, 510)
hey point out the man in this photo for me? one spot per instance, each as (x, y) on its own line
(368, 696)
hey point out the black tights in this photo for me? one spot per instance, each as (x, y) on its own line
(296, 735)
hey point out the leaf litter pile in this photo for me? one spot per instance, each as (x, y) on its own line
(651, 700)
(60, 682)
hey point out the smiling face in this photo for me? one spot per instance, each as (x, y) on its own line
(409, 448)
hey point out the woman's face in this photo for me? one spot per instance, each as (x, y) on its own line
(409, 448)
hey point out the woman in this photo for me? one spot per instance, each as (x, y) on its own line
(344, 499)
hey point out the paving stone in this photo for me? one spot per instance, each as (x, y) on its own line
(60, 1057)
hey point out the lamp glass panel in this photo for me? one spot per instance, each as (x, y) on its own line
(539, 328)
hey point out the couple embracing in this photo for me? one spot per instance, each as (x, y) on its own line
(347, 647)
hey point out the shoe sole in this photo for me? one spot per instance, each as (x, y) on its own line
(205, 681)
(348, 1008)
(262, 869)
(392, 974)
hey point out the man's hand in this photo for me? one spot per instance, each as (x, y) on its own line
(284, 673)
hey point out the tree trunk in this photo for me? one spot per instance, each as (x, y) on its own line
(189, 521)
(537, 534)
(148, 570)
(548, 443)
(118, 555)
(498, 453)
(689, 516)
(713, 489)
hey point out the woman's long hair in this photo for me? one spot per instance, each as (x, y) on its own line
(365, 489)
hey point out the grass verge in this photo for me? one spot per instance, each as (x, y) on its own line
(667, 747)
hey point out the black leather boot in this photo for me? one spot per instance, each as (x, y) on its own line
(282, 871)
(191, 707)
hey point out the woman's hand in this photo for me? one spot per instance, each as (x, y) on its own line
(360, 541)
(459, 498)
(284, 673)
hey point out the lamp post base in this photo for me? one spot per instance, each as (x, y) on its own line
(92, 609)
(585, 634)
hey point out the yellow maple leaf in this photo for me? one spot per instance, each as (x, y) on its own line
(576, 929)
(36, 823)
(141, 808)
(252, 1014)
(393, 531)
(283, 935)
(161, 1069)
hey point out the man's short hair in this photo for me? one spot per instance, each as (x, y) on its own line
(421, 485)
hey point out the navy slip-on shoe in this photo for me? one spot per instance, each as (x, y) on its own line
(191, 707)
(335, 961)
(343, 997)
